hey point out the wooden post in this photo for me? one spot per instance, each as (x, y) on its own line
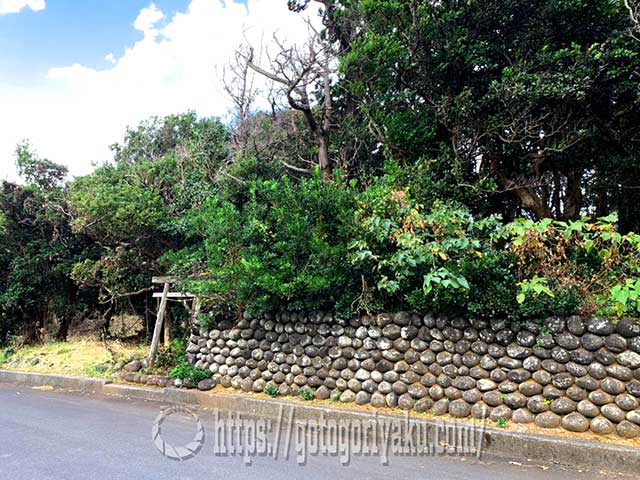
(158, 326)
(167, 328)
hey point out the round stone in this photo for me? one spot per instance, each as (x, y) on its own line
(600, 326)
(518, 351)
(628, 328)
(605, 357)
(522, 415)
(597, 371)
(542, 377)
(575, 422)
(362, 398)
(628, 429)
(562, 380)
(472, 396)
(347, 396)
(634, 417)
(615, 343)
(552, 366)
(562, 406)
(552, 392)
(629, 359)
(417, 391)
(463, 383)
(588, 383)
(592, 342)
(612, 386)
(547, 420)
(378, 400)
(633, 387)
(581, 356)
(567, 340)
(621, 373)
(492, 398)
(526, 338)
(452, 393)
(588, 409)
(485, 385)
(538, 404)
(555, 324)
(508, 387)
(405, 402)
(501, 412)
(480, 410)
(576, 325)
(601, 426)
(576, 393)
(613, 412)
(600, 398)
(423, 405)
(519, 375)
(440, 407)
(459, 408)
(391, 400)
(515, 400)
(322, 393)
(627, 402)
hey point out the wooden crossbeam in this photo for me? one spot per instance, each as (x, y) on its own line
(175, 295)
(160, 280)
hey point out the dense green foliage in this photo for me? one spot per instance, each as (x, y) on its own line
(286, 245)
(468, 143)
(535, 103)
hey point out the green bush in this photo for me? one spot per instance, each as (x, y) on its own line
(284, 248)
(183, 371)
(414, 257)
(171, 355)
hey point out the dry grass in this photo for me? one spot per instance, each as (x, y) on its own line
(79, 357)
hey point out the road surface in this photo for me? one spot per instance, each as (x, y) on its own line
(46, 435)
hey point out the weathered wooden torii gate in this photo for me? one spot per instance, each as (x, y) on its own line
(162, 319)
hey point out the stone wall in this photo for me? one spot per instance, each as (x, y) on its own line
(577, 373)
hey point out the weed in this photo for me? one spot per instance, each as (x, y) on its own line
(502, 422)
(271, 390)
(306, 394)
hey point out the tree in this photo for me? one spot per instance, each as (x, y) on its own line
(134, 209)
(526, 101)
(302, 74)
(634, 13)
(38, 298)
(38, 171)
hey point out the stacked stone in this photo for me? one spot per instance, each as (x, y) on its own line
(575, 373)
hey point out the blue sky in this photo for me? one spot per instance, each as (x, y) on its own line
(67, 32)
(75, 73)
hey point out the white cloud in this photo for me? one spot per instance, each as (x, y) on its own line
(147, 19)
(77, 112)
(15, 6)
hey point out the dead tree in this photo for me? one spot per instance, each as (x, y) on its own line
(238, 82)
(300, 73)
(634, 13)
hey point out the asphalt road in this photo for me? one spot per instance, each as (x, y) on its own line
(46, 435)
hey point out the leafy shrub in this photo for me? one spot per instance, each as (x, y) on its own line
(582, 265)
(271, 390)
(285, 247)
(306, 394)
(171, 355)
(410, 256)
(183, 371)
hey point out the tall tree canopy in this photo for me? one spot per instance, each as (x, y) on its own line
(534, 101)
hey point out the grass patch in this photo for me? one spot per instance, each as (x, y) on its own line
(79, 357)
